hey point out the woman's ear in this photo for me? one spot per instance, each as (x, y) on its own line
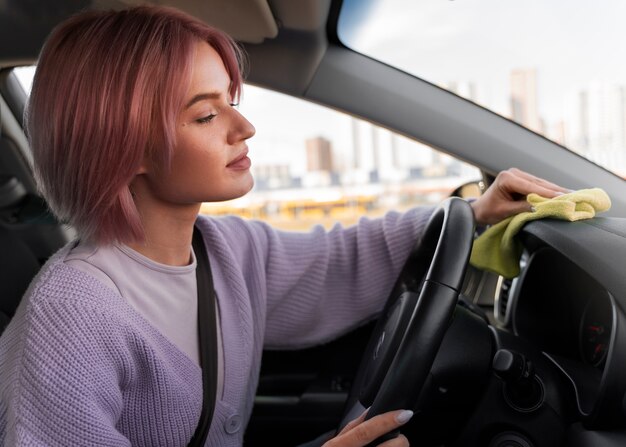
(143, 169)
(145, 166)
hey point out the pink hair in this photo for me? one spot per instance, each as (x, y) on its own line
(107, 92)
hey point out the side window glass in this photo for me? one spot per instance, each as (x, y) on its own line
(25, 76)
(314, 165)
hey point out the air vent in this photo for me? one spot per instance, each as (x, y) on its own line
(505, 288)
(503, 300)
(505, 294)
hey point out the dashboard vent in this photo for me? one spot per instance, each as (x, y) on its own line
(503, 300)
(506, 293)
(503, 303)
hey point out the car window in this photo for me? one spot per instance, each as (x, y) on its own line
(314, 165)
(554, 66)
(25, 76)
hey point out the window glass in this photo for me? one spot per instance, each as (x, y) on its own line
(313, 165)
(25, 76)
(556, 67)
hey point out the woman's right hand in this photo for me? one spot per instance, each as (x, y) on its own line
(360, 432)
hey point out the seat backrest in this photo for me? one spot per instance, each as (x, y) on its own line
(18, 266)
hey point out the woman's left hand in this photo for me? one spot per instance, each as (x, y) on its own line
(507, 195)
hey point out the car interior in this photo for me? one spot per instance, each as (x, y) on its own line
(537, 360)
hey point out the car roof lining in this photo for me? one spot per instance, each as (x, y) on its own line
(246, 20)
(25, 25)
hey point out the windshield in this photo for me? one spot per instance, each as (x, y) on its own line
(556, 67)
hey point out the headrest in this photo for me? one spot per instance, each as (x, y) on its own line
(17, 206)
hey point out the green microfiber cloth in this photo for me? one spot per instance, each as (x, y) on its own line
(497, 249)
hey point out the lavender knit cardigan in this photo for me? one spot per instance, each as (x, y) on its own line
(80, 367)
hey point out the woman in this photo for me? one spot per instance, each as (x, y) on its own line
(132, 127)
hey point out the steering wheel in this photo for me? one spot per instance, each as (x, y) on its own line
(408, 334)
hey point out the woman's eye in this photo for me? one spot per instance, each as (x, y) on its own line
(234, 104)
(206, 119)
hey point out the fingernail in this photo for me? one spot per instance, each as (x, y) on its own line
(559, 193)
(404, 416)
(533, 209)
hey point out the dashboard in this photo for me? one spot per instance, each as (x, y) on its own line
(569, 317)
(551, 370)
(568, 304)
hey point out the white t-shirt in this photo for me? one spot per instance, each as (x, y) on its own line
(166, 296)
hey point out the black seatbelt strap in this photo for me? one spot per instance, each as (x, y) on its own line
(207, 331)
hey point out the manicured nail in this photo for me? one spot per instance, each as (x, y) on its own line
(559, 193)
(404, 416)
(533, 209)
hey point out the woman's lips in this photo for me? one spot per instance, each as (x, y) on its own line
(241, 163)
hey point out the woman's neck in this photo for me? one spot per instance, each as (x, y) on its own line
(168, 252)
(166, 242)
(168, 231)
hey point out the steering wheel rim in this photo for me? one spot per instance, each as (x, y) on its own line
(409, 333)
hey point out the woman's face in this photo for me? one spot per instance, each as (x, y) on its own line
(210, 160)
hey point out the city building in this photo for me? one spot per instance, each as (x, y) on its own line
(272, 176)
(524, 109)
(319, 155)
(596, 124)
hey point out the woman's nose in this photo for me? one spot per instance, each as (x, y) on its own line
(243, 129)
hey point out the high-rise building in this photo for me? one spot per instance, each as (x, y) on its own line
(605, 118)
(272, 176)
(319, 155)
(596, 124)
(524, 108)
(395, 151)
(375, 147)
(356, 144)
(577, 121)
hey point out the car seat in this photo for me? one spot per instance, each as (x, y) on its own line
(18, 266)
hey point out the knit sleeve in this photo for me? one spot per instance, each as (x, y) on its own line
(323, 283)
(65, 374)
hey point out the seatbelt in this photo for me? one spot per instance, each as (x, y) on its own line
(207, 331)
